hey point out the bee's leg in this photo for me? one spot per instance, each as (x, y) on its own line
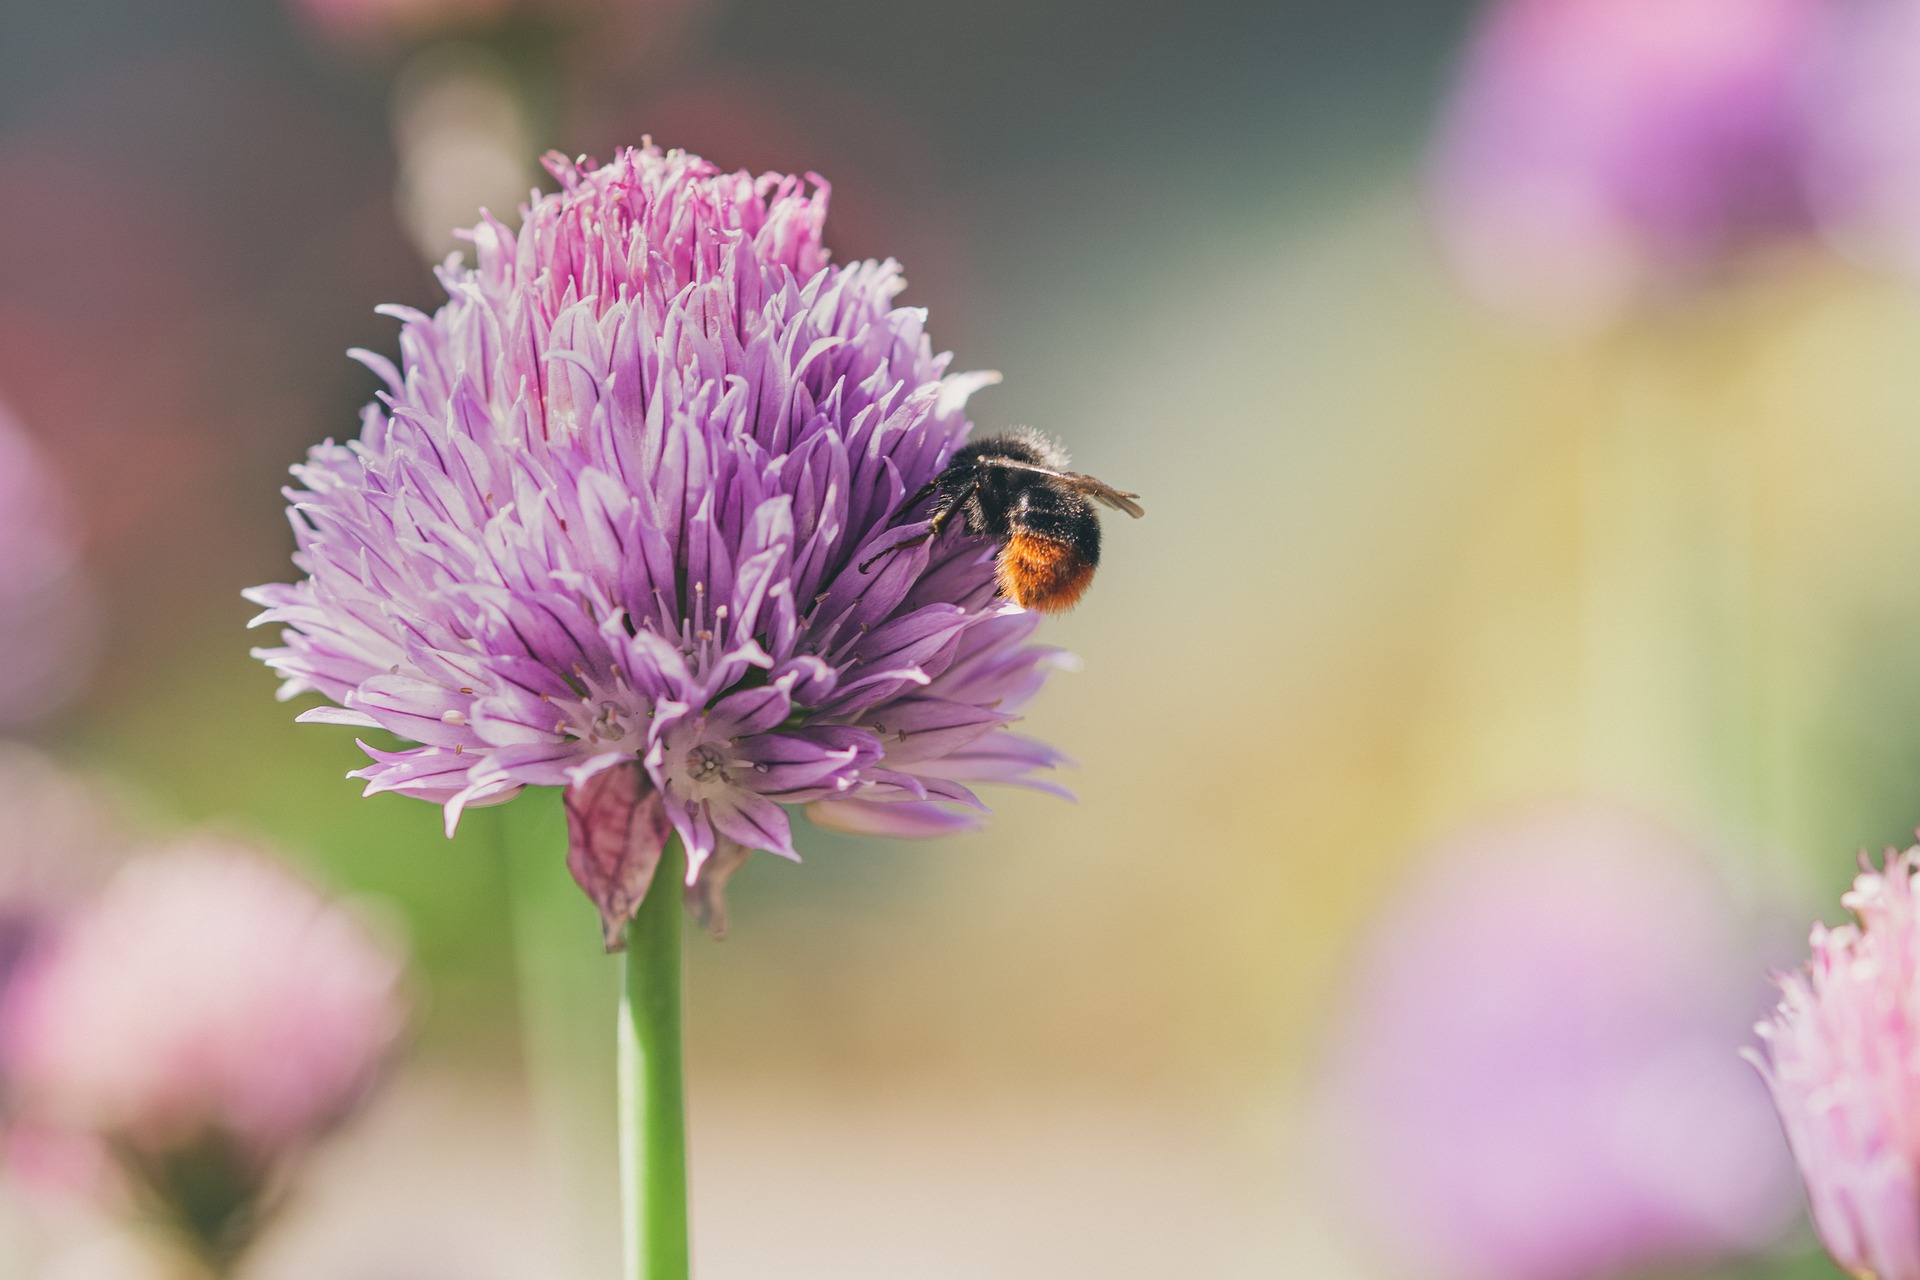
(884, 552)
(935, 527)
(926, 491)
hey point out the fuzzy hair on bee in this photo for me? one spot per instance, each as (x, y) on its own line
(1015, 490)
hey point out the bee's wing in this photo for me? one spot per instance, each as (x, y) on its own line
(1100, 491)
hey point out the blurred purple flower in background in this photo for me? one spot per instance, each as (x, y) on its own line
(1865, 110)
(1537, 1076)
(47, 614)
(1597, 152)
(58, 835)
(373, 22)
(1842, 1056)
(604, 533)
(207, 1017)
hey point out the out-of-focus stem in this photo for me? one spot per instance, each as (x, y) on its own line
(566, 987)
(653, 1136)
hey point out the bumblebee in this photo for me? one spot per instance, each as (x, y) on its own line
(1015, 489)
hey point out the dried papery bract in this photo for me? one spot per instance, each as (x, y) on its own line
(207, 1018)
(604, 531)
(1842, 1056)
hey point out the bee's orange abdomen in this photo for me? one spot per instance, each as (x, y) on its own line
(1042, 573)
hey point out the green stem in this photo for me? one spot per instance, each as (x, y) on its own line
(653, 1125)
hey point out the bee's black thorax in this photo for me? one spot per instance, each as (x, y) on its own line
(996, 501)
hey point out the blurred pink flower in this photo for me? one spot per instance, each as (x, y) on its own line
(207, 1016)
(1598, 151)
(1866, 117)
(359, 22)
(58, 835)
(376, 23)
(1538, 1077)
(1842, 1056)
(206, 987)
(47, 617)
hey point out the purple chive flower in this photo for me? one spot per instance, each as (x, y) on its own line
(603, 532)
(1597, 152)
(1538, 1073)
(1842, 1056)
(47, 616)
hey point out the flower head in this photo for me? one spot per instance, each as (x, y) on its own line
(1538, 1077)
(206, 1017)
(1599, 150)
(46, 608)
(1842, 1056)
(605, 528)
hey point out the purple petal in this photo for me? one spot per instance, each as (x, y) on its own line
(905, 819)
(828, 758)
(753, 821)
(916, 729)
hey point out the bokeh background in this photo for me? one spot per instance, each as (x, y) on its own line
(1411, 567)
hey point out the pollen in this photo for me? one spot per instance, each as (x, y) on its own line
(1042, 573)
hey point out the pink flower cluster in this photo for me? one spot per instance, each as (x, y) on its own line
(1842, 1056)
(204, 989)
(193, 1027)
